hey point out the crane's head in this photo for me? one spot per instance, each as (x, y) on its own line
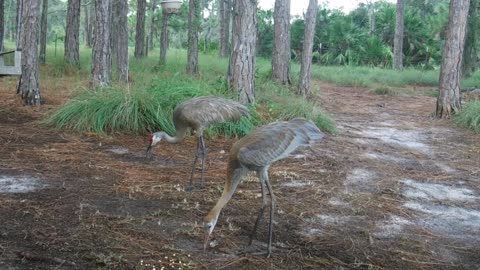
(154, 139)
(209, 223)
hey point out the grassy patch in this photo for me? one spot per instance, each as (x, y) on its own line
(469, 116)
(156, 89)
(356, 76)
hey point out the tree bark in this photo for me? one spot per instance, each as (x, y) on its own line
(449, 99)
(306, 66)
(152, 25)
(120, 24)
(140, 30)
(224, 12)
(91, 23)
(2, 24)
(193, 25)
(29, 87)
(164, 38)
(19, 32)
(102, 55)
(281, 45)
(398, 39)
(470, 53)
(241, 68)
(72, 32)
(43, 32)
(86, 25)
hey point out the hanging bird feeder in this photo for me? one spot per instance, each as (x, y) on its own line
(171, 6)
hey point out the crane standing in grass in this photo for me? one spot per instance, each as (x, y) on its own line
(198, 114)
(256, 152)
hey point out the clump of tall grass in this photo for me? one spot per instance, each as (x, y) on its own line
(469, 116)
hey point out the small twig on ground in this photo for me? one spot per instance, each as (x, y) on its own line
(30, 257)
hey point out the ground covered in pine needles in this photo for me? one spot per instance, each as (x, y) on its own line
(394, 189)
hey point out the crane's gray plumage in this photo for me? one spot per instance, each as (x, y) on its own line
(256, 152)
(198, 114)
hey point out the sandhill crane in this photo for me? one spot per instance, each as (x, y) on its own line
(256, 152)
(198, 114)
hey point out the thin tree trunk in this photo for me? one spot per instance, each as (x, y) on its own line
(164, 38)
(281, 44)
(221, 22)
(152, 24)
(29, 87)
(2, 24)
(193, 25)
(140, 30)
(102, 55)
(371, 19)
(120, 23)
(91, 23)
(306, 66)
(225, 10)
(241, 68)
(19, 32)
(86, 25)
(449, 99)
(72, 32)
(398, 39)
(43, 32)
(470, 53)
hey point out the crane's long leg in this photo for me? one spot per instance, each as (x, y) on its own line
(260, 213)
(197, 153)
(204, 157)
(272, 212)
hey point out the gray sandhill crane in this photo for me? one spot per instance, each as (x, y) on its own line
(198, 114)
(256, 152)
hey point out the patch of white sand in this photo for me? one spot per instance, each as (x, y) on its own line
(429, 191)
(295, 184)
(118, 150)
(19, 184)
(405, 138)
(390, 227)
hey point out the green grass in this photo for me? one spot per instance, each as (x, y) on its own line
(354, 76)
(469, 116)
(156, 89)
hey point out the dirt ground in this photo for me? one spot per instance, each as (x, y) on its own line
(394, 189)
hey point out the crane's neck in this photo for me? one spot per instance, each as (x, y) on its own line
(233, 179)
(179, 136)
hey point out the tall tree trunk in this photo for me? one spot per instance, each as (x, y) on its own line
(91, 23)
(72, 33)
(102, 55)
(43, 32)
(241, 68)
(306, 66)
(140, 30)
(2, 25)
(449, 99)
(120, 26)
(371, 18)
(86, 24)
(398, 39)
(29, 87)
(152, 24)
(164, 38)
(224, 14)
(19, 32)
(281, 45)
(193, 25)
(470, 54)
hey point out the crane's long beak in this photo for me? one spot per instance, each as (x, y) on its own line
(148, 153)
(205, 243)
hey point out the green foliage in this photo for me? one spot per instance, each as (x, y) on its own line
(264, 32)
(369, 77)
(469, 116)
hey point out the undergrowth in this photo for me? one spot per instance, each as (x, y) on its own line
(469, 116)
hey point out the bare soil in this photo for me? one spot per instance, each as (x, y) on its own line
(395, 189)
